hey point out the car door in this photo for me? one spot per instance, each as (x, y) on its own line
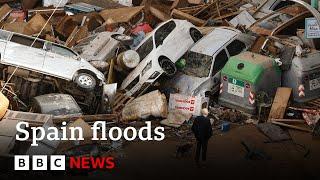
(19, 52)
(60, 61)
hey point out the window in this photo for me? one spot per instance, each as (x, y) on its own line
(145, 49)
(62, 51)
(163, 32)
(195, 35)
(27, 41)
(220, 61)
(4, 35)
(236, 47)
(197, 65)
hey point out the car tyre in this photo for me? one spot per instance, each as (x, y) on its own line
(126, 40)
(85, 81)
(168, 66)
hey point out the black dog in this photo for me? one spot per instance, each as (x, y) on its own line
(183, 150)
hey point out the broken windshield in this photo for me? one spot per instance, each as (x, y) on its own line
(198, 65)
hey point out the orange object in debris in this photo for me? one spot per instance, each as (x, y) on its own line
(4, 104)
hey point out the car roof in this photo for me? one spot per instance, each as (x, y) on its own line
(40, 39)
(213, 41)
(177, 21)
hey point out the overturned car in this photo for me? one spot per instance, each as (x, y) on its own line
(159, 51)
(44, 57)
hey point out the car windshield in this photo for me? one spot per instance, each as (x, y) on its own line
(197, 65)
(274, 21)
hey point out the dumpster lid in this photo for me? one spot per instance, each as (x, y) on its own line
(248, 66)
(308, 63)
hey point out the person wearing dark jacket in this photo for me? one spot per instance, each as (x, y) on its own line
(202, 131)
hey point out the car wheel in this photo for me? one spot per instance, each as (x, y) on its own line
(85, 81)
(195, 34)
(168, 66)
(127, 40)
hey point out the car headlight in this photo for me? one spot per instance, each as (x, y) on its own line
(147, 68)
(154, 75)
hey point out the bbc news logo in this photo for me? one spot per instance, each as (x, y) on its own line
(58, 163)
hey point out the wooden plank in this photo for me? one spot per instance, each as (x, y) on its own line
(256, 47)
(280, 103)
(121, 15)
(291, 126)
(159, 14)
(181, 15)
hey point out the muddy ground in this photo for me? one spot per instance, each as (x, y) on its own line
(226, 158)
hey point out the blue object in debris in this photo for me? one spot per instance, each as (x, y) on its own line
(225, 127)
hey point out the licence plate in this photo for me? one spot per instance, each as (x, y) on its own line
(236, 87)
(314, 84)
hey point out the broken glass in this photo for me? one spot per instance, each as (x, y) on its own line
(198, 65)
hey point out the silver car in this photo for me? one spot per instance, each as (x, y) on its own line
(48, 58)
(206, 58)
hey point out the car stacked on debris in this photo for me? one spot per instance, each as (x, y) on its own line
(158, 52)
(25, 52)
(205, 59)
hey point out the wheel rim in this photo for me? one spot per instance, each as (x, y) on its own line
(85, 80)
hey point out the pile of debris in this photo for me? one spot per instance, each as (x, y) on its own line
(127, 61)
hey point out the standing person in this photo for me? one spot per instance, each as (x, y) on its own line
(202, 131)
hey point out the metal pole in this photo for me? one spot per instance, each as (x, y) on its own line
(314, 11)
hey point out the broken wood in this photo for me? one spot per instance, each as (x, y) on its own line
(280, 103)
(291, 126)
(121, 15)
(159, 14)
(181, 15)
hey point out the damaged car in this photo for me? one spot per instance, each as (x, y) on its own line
(159, 51)
(44, 57)
(101, 46)
(285, 21)
(201, 74)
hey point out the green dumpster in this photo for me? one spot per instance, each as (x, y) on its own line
(244, 77)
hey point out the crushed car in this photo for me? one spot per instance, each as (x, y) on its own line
(159, 51)
(101, 46)
(204, 60)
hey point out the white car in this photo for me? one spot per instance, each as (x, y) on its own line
(47, 58)
(206, 58)
(159, 51)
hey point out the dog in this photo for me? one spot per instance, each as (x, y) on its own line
(183, 150)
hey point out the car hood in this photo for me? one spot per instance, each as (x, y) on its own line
(185, 84)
